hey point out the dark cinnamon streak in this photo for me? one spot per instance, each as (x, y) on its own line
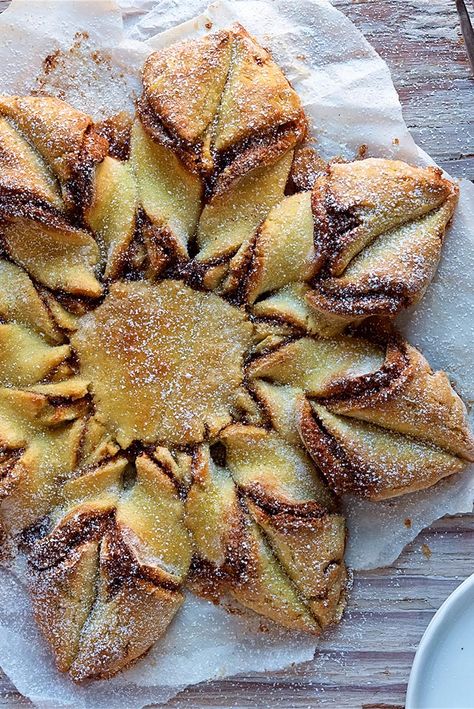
(118, 561)
(122, 567)
(189, 153)
(333, 224)
(385, 382)
(386, 297)
(285, 510)
(85, 525)
(81, 184)
(253, 152)
(330, 457)
(232, 164)
(25, 204)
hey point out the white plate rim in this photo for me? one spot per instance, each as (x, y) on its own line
(429, 636)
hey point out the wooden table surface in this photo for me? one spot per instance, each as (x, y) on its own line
(366, 661)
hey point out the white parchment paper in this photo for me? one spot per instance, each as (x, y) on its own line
(96, 48)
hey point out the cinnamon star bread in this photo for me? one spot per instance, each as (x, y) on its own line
(185, 384)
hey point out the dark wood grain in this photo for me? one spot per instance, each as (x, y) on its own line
(421, 41)
(366, 661)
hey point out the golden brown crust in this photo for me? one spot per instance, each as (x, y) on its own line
(317, 365)
(267, 150)
(370, 461)
(257, 96)
(360, 200)
(392, 427)
(382, 382)
(225, 109)
(307, 549)
(229, 219)
(183, 84)
(272, 513)
(55, 253)
(169, 192)
(64, 137)
(388, 276)
(112, 212)
(411, 399)
(50, 152)
(214, 97)
(105, 587)
(282, 251)
(23, 171)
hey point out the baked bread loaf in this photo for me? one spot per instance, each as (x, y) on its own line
(178, 402)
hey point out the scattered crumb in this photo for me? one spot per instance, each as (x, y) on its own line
(50, 62)
(76, 75)
(426, 551)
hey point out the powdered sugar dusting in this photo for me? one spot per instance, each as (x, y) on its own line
(377, 113)
(165, 362)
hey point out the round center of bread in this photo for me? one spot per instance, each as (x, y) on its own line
(164, 361)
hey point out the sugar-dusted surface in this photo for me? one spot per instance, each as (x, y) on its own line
(151, 347)
(421, 43)
(353, 668)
